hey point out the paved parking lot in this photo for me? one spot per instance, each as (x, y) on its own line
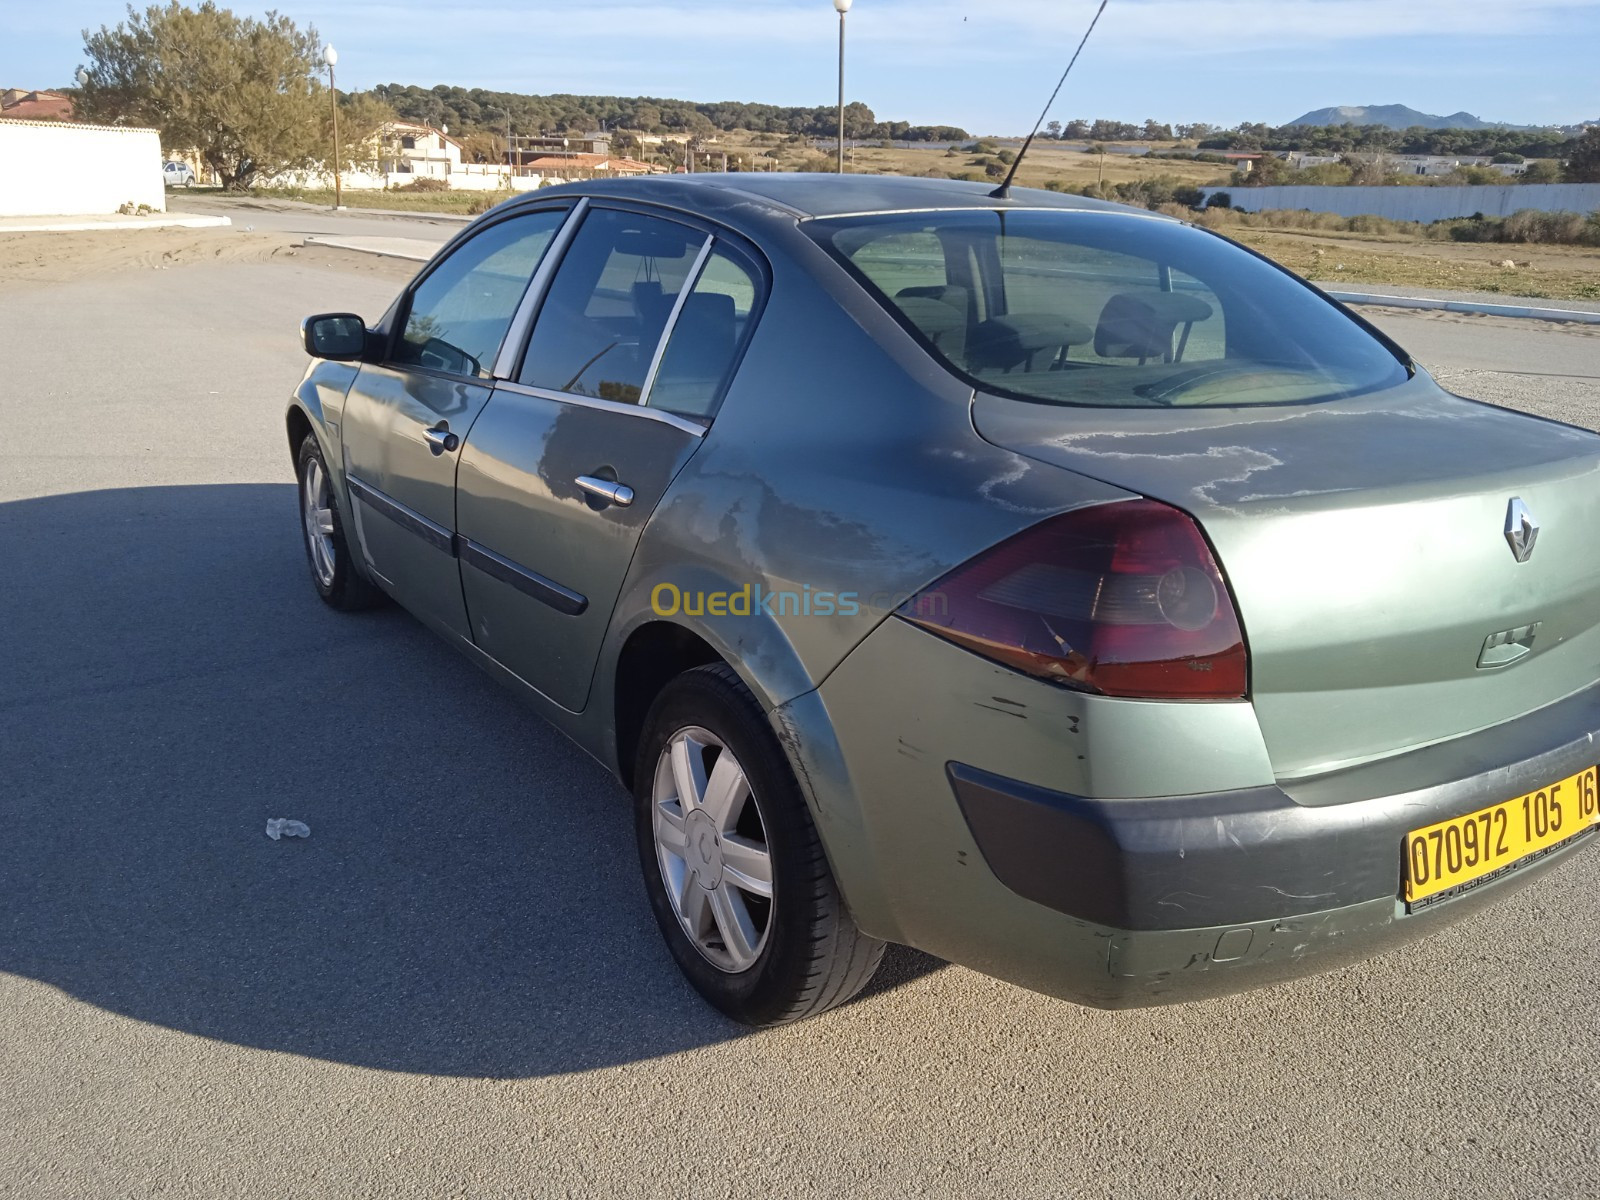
(455, 987)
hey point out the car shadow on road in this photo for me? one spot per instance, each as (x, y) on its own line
(468, 902)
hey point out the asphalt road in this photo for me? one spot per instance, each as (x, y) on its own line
(454, 987)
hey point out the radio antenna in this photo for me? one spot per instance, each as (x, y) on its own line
(1003, 192)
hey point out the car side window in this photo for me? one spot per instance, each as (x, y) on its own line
(459, 314)
(608, 305)
(701, 352)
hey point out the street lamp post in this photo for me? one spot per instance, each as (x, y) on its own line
(843, 6)
(331, 56)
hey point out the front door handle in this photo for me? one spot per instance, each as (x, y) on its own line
(608, 490)
(440, 439)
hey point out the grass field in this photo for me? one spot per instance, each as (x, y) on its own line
(461, 203)
(1394, 258)
(1046, 162)
(1544, 272)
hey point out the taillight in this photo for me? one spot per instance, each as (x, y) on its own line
(1123, 599)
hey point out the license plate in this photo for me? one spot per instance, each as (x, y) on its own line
(1462, 849)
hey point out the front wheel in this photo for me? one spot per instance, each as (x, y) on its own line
(732, 862)
(333, 571)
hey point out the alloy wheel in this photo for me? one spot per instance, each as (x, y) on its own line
(316, 511)
(711, 844)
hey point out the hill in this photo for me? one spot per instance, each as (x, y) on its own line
(1396, 116)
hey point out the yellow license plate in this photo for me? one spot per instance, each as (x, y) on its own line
(1462, 849)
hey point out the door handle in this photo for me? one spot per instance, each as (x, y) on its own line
(608, 490)
(440, 439)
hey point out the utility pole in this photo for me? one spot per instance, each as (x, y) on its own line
(842, 7)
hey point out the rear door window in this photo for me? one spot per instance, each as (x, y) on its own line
(608, 305)
(712, 325)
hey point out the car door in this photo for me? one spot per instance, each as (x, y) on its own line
(405, 418)
(636, 338)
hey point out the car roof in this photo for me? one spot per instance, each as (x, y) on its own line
(802, 196)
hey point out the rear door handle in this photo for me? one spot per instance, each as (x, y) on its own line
(608, 490)
(440, 439)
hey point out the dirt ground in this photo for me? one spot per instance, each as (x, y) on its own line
(63, 257)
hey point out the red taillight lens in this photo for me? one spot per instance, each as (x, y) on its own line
(1122, 599)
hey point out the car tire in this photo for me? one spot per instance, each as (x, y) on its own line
(334, 573)
(763, 961)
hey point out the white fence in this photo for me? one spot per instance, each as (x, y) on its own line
(463, 177)
(54, 168)
(1421, 203)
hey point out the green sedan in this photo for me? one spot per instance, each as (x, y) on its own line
(1052, 586)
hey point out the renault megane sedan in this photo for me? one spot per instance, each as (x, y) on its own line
(1052, 586)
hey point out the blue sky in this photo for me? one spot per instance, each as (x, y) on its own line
(986, 65)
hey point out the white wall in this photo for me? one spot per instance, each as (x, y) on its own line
(55, 168)
(464, 177)
(1419, 203)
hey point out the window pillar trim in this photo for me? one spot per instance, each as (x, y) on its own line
(690, 281)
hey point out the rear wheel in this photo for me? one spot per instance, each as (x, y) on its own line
(337, 579)
(732, 862)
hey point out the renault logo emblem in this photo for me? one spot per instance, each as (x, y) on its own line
(1522, 531)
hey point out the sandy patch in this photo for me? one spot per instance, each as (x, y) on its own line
(61, 257)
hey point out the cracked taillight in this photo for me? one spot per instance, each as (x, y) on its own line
(1122, 599)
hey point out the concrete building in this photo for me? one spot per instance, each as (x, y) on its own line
(58, 168)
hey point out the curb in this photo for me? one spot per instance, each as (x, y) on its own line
(333, 243)
(1463, 306)
(93, 224)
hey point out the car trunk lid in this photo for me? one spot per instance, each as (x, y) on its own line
(1365, 543)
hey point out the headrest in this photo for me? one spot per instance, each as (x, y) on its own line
(1140, 324)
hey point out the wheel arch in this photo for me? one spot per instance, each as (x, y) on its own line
(653, 655)
(298, 424)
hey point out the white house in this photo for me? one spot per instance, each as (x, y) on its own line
(402, 152)
(417, 150)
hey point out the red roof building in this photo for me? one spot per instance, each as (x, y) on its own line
(586, 166)
(35, 106)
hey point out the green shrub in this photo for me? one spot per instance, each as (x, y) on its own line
(425, 183)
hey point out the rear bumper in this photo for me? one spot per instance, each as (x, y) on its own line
(1205, 895)
(1036, 834)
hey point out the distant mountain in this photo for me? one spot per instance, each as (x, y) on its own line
(1396, 116)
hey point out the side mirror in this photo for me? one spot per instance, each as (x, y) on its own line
(341, 337)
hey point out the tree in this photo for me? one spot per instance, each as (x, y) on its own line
(362, 118)
(1583, 163)
(1543, 170)
(243, 93)
(1053, 130)
(859, 120)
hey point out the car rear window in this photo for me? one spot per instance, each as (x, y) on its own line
(1105, 308)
